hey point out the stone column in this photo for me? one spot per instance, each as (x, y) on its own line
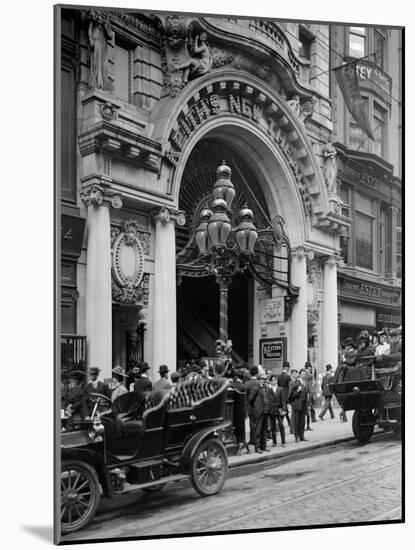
(329, 336)
(98, 277)
(164, 324)
(298, 333)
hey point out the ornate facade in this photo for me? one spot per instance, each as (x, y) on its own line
(149, 104)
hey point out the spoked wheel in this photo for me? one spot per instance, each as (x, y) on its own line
(361, 425)
(80, 495)
(209, 467)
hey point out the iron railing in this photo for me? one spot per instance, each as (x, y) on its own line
(73, 353)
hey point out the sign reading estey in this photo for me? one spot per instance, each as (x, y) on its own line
(272, 353)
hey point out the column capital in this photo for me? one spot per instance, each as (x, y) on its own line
(301, 252)
(98, 195)
(333, 261)
(166, 215)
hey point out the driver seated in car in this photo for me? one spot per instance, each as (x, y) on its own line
(96, 386)
(74, 401)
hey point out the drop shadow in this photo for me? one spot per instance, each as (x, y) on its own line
(43, 532)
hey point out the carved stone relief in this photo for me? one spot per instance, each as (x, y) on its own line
(130, 285)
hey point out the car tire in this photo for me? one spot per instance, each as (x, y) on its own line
(209, 467)
(362, 433)
(80, 495)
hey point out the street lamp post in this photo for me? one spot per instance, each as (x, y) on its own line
(225, 247)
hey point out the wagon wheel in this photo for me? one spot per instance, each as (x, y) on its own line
(209, 467)
(80, 495)
(362, 433)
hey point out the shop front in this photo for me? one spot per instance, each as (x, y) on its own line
(367, 306)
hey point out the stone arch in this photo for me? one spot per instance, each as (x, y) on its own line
(242, 109)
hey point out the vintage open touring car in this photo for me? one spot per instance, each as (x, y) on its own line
(143, 441)
(376, 400)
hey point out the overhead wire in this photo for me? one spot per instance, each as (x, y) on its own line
(342, 56)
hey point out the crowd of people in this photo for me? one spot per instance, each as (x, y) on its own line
(272, 403)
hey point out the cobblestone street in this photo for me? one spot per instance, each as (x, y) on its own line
(344, 483)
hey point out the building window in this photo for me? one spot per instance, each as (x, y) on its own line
(69, 296)
(364, 231)
(379, 130)
(358, 140)
(122, 70)
(68, 134)
(399, 244)
(379, 48)
(357, 41)
(306, 39)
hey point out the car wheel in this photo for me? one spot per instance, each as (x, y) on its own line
(362, 433)
(209, 467)
(80, 495)
(154, 488)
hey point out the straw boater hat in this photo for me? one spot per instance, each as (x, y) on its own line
(119, 370)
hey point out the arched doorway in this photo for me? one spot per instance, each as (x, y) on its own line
(197, 293)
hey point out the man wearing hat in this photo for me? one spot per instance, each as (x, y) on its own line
(95, 386)
(383, 348)
(74, 401)
(118, 379)
(283, 382)
(163, 383)
(143, 383)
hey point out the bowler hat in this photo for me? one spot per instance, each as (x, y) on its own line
(163, 369)
(119, 370)
(286, 364)
(77, 375)
(144, 366)
(94, 370)
(348, 341)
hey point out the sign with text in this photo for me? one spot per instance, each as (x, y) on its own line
(272, 353)
(369, 291)
(72, 233)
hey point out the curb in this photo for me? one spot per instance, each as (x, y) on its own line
(255, 459)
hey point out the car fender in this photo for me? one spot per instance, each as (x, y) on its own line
(95, 460)
(190, 447)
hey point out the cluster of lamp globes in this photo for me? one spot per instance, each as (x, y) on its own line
(215, 227)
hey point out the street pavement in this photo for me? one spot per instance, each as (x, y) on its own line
(330, 479)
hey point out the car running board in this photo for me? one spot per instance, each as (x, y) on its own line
(130, 487)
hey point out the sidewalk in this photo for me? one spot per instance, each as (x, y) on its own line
(326, 432)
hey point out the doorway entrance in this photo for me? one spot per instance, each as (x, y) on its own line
(198, 291)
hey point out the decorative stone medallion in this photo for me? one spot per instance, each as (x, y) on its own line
(127, 262)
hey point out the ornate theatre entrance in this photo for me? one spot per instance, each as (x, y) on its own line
(198, 292)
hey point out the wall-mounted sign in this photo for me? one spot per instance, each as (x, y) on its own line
(273, 310)
(369, 292)
(72, 234)
(272, 353)
(388, 318)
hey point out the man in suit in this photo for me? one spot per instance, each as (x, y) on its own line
(298, 397)
(260, 409)
(239, 411)
(327, 394)
(284, 380)
(163, 383)
(74, 402)
(143, 383)
(95, 386)
(277, 411)
(252, 386)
